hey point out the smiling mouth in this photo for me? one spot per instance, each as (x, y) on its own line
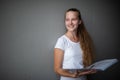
(71, 26)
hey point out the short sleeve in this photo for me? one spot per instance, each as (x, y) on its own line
(60, 44)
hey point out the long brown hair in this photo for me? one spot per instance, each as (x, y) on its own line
(85, 40)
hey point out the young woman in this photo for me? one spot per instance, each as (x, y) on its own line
(73, 50)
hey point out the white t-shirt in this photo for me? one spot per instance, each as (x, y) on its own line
(72, 55)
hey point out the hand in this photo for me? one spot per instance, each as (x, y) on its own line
(75, 74)
(93, 71)
(86, 72)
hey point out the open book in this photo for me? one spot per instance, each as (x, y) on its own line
(99, 65)
(102, 64)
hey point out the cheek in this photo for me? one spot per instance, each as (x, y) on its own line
(76, 22)
(66, 23)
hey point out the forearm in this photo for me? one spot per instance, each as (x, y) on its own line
(66, 73)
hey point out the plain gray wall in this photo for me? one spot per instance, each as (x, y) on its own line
(29, 30)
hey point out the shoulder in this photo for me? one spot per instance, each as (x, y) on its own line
(62, 39)
(61, 42)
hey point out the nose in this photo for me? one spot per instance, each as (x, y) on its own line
(70, 21)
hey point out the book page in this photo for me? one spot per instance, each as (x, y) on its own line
(99, 65)
(103, 64)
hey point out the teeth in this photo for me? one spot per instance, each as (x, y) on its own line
(71, 26)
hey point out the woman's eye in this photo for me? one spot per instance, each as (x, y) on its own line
(67, 19)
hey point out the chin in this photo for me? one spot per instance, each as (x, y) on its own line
(71, 30)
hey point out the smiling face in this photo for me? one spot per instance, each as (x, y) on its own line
(72, 20)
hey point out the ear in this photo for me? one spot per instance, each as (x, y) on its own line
(80, 21)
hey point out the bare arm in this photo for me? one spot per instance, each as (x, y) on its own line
(58, 60)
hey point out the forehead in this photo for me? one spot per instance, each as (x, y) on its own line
(72, 14)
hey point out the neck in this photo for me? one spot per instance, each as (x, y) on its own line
(72, 36)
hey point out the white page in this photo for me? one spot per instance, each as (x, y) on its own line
(99, 65)
(103, 64)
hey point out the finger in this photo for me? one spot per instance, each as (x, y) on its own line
(84, 73)
(93, 71)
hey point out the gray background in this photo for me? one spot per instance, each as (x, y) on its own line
(29, 30)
